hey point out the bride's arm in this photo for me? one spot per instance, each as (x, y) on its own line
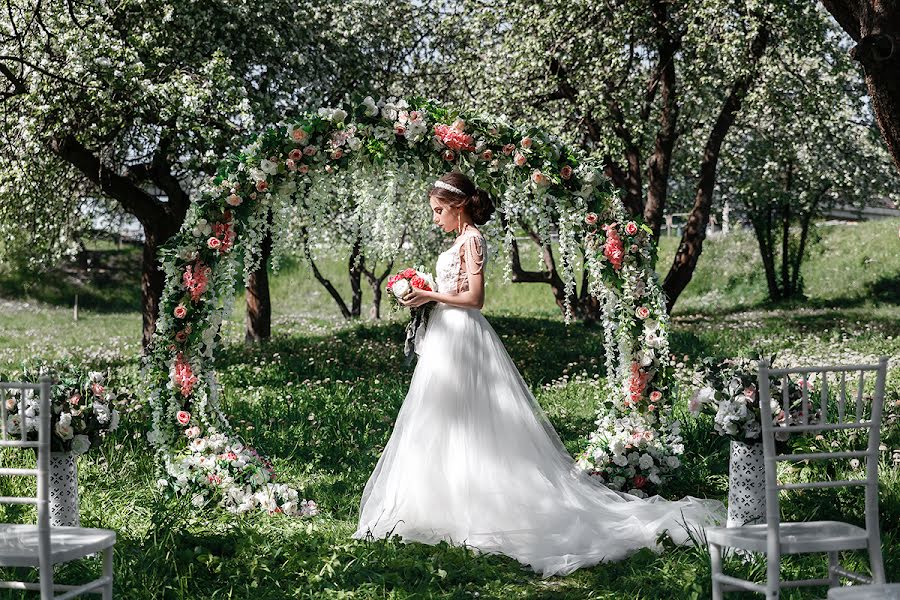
(471, 298)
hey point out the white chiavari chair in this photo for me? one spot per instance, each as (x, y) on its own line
(776, 538)
(41, 546)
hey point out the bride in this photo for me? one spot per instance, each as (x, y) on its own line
(473, 460)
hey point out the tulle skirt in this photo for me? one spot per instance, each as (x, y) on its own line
(473, 461)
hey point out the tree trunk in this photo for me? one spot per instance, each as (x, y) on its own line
(875, 27)
(659, 164)
(691, 244)
(355, 269)
(375, 282)
(764, 240)
(152, 282)
(259, 301)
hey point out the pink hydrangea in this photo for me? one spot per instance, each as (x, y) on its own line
(613, 249)
(454, 138)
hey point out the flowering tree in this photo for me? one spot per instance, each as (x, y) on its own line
(135, 102)
(650, 88)
(802, 145)
(382, 149)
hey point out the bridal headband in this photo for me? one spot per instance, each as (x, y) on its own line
(449, 187)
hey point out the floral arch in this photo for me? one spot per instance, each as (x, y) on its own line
(382, 149)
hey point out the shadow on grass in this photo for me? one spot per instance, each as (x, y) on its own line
(105, 281)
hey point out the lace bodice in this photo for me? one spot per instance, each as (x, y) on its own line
(467, 255)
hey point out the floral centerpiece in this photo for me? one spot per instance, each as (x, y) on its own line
(727, 390)
(83, 408)
(398, 285)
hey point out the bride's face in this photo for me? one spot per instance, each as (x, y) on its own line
(443, 215)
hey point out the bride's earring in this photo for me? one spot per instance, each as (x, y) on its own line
(458, 224)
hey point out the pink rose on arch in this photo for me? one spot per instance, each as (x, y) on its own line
(399, 129)
(642, 312)
(487, 155)
(192, 432)
(180, 311)
(214, 243)
(303, 169)
(566, 172)
(337, 154)
(520, 159)
(310, 151)
(234, 200)
(262, 186)
(295, 154)
(539, 178)
(631, 228)
(181, 336)
(655, 396)
(509, 149)
(590, 218)
(291, 165)
(183, 416)
(448, 155)
(75, 399)
(526, 142)
(299, 135)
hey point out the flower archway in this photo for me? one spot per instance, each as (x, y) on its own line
(382, 150)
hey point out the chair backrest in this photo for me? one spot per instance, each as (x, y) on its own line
(22, 397)
(834, 410)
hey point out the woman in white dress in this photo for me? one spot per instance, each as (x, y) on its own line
(473, 460)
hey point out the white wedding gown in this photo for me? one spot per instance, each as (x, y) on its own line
(473, 460)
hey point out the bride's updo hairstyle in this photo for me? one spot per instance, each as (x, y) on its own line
(457, 190)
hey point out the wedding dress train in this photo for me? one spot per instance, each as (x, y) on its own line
(473, 459)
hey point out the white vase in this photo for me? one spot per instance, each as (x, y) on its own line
(746, 485)
(63, 490)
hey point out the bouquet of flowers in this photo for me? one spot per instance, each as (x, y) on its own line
(398, 285)
(728, 391)
(82, 408)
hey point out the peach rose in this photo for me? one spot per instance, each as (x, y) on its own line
(519, 159)
(310, 151)
(303, 169)
(526, 142)
(539, 178)
(399, 129)
(299, 135)
(183, 416)
(655, 396)
(448, 155)
(290, 165)
(295, 154)
(234, 200)
(262, 186)
(180, 311)
(337, 154)
(590, 218)
(642, 312)
(487, 155)
(508, 149)
(631, 228)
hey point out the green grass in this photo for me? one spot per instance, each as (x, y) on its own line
(322, 395)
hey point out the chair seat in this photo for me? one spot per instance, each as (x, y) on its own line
(889, 591)
(19, 544)
(796, 538)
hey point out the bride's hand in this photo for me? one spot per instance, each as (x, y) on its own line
(415, 297)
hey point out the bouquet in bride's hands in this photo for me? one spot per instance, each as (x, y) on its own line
(398, 286)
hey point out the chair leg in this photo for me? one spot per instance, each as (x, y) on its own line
(773, 575)
(715, 561)
(108, 572)
(876, 561)
(834, 580)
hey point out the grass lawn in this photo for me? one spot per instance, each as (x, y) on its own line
(320, 398)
